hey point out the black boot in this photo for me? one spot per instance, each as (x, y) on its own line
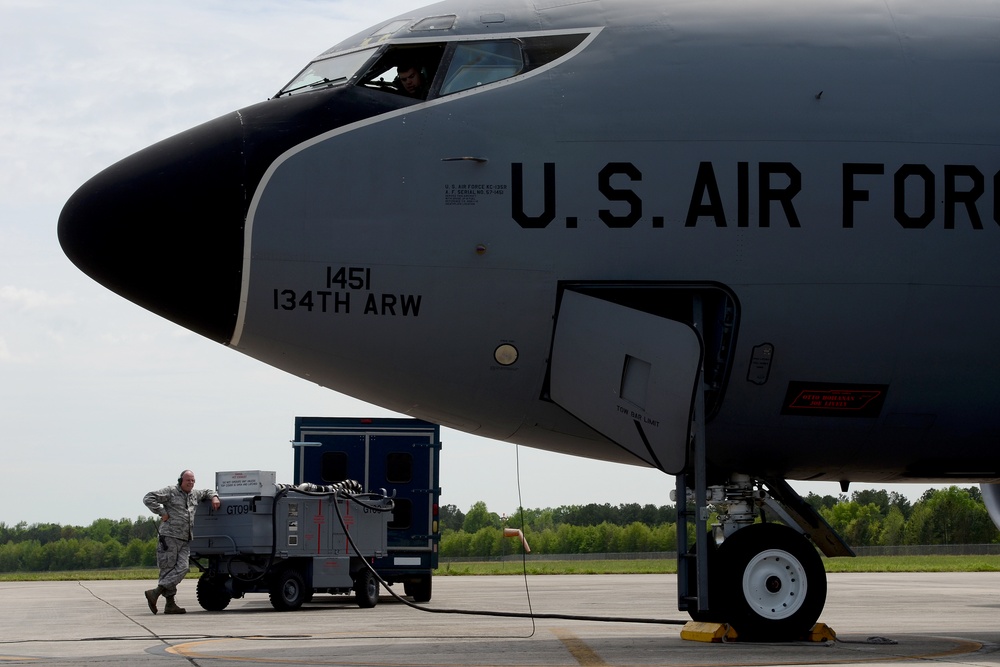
(172, 607)
(152, 595)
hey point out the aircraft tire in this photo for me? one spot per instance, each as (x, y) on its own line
(774, 583)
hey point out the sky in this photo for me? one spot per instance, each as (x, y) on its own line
(102, 401)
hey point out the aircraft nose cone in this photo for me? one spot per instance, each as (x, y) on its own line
(164, 227)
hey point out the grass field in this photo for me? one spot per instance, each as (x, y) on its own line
(657, 566)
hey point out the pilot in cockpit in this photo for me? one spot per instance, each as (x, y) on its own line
(412, 80)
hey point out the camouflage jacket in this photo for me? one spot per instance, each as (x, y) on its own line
(179, 506)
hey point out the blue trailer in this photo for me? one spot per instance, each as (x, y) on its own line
(399, 455)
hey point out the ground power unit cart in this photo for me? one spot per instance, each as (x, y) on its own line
(288, 541)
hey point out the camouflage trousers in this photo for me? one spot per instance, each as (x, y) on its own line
(172, 556)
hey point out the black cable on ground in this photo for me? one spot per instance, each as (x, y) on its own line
(481, 612)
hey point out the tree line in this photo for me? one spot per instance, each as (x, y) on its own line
(866, 518)
(941, 516)
(105, 543)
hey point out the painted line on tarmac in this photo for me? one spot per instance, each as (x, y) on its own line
(583, 654)
(189, 650)
(962, 647)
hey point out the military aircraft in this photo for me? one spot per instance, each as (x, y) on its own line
(739, 241)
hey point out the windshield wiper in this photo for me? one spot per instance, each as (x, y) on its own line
(315, 84)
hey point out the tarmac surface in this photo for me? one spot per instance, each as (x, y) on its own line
(898, 619)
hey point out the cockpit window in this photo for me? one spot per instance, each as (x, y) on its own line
(478, 63)
(426, 70)
(388, 30)
(392, 72)
(435, 23)
(326, 72)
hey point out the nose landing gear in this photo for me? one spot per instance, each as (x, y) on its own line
(766, 580)
(773, 582)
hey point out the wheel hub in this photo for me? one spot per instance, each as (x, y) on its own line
(774, 584)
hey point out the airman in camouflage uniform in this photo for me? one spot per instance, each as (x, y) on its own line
(176, 506)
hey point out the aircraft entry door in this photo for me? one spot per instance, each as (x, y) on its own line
(628, 374)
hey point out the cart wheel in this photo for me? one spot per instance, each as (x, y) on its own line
(420, 591)
(211, 592)
(366, 589)
(288, 590)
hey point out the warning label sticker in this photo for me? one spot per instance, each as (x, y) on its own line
(816, 399)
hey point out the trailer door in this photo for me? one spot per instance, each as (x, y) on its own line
(327, 456)
(404, 462)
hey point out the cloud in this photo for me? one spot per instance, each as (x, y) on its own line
(30, 299)
(11, 357)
